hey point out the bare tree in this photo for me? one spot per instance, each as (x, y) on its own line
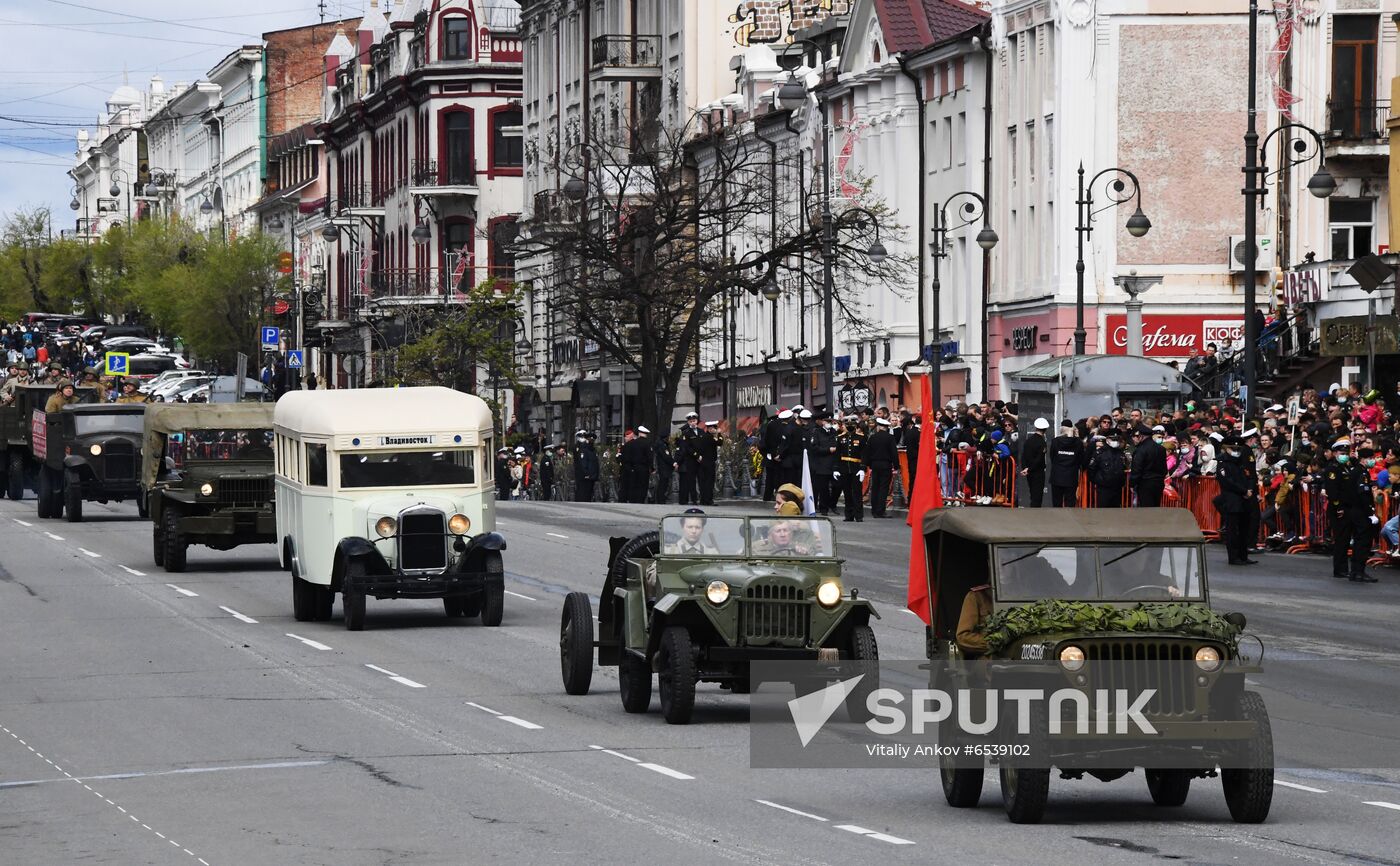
(657, 226)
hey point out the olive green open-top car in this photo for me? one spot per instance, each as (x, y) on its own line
(705, 595)
(1088, 600)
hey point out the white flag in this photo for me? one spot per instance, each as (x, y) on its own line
(809, 501)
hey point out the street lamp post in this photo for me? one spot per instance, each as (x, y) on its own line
(971, 211)
(117, 188)
(1117, 192)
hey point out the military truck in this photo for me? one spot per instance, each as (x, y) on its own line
(1085, 602)
(19, 469)
(207, 478)
(702, 597)
(86, 453)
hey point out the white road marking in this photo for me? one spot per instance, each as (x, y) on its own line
(405, 681)
(22, 522)
(485, 709)
(529, 726)
(54, 537)
(518, 595)
(1383, 804)
(1295, 786)
(790, 809)
(184, 592)
(93, 554)
(236, 615)
(129, 570)
(277, 765)
(871, 834)
(665, 771)
(556, 535)
(381, 670)
(308, 641)
(617, 754)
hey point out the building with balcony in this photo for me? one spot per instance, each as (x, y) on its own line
(422, 130)
(115, 158)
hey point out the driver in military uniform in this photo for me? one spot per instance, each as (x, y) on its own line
(1351, 510)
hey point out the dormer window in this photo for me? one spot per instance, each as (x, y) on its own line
(457, 39)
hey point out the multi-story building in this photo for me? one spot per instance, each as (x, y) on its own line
(110, 168)
(422, 131)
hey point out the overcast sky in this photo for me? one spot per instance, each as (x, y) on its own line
(61, 59)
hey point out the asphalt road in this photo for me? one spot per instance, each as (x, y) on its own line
(154, 718)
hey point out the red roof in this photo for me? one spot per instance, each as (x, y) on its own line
(910, 25)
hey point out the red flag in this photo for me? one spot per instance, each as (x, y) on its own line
(928, 494)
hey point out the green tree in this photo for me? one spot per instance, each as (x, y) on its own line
(23, 242)
(219, 298)
(452, 346)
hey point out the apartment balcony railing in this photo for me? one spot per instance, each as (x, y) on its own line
(552, 207)
(1357, 121)
(627, 57)
(425, 172)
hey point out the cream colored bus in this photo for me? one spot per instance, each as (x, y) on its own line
(387, 492)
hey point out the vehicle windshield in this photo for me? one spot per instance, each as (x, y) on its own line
(797, 537)
(702, 535)
(407, 468)
(1128, 572)
(216, 444)
(88, 423)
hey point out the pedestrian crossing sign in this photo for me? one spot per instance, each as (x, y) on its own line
(118, 363)
(295, 359)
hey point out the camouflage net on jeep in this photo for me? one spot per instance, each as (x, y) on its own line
(1055, 615)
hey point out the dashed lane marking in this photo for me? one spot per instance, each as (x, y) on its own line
(22, 522)
(314, 644)
(483, 709)
(182, 591)
(529, 726)
(243, 617)
(871, 834)
(54, 537)
(396, 678)
(130, 570)
(1297, 787)
(665, 771)
(790, 809)
(617, 754)
(518, 595)
(183, 771)
(91, 553)
(1383, 804)
(556, 535)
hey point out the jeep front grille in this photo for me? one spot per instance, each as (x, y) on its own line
(773, 613)
(1167, 666)
(252, 492)
(422, 540)
(118, 461)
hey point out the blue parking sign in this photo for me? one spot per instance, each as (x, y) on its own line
(295, 360)
(270, 338)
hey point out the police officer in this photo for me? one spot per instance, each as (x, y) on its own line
(1033, 453)
(821, 456)
(547, 474)
(1350, 507)
(1108, 472)
(771, 443)
(688, 459)
(708, 446)
(1066, 460)
(1249, 524)
(636, 467)
(502, 473)
(850, 457)
(665, 465)
(880, 457)
(1237, 496)
(586, 466)
(790, 457)
(1149, 475)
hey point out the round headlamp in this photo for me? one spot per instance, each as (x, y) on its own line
(95, 450)
(386, 527)
(458, 524)
(717, 592)
(829, 593)
(1072, 658)
(206, 489)
(1208, 658)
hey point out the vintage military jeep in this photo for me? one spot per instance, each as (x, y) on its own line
(86, 453)
(704, 596)
(206, 474)
(1085, 603)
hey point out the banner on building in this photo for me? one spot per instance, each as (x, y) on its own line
(1175, 336)
(1303, 287)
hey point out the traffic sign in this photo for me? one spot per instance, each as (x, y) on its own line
(117, 363)
(270, 338)
(295, 360)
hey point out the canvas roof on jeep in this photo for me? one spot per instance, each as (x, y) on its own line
(1067, 525)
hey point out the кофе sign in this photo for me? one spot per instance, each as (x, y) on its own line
(1174, 336)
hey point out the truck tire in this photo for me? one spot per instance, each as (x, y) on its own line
(634, 683)
(576, 643)
(15, 482)
(494, 598)
(142, 511)
(1168, 787)
(1025, 790)
(677, 675)
(45, 494)
(962, 785)
(72, 497)
(865, 653)
(323, 601)
(157, 543)
(301, 600)
(1249, 788)
(354, 603)
(176, 547)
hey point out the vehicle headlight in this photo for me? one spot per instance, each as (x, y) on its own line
(828, 593)
(95, 450)
(386, 527)
(717, 592)
(458, 524)
(206, 489)
(1207, 658)
(1071, 658)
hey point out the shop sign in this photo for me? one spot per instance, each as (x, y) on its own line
(1175, 336)
(1346, 335)
(1303, 287)
(754, 396)
(1024, 339)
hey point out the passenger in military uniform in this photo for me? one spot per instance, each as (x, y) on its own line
(1351, 510)
(708, 446)
(850, 458)
(636, 459)
(880, 457)
(976, 607)
(665, 464)
(688, 459)
(1236, 497)
(821, 456)
(130, 394)
(1108, 472)
(62, 396)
